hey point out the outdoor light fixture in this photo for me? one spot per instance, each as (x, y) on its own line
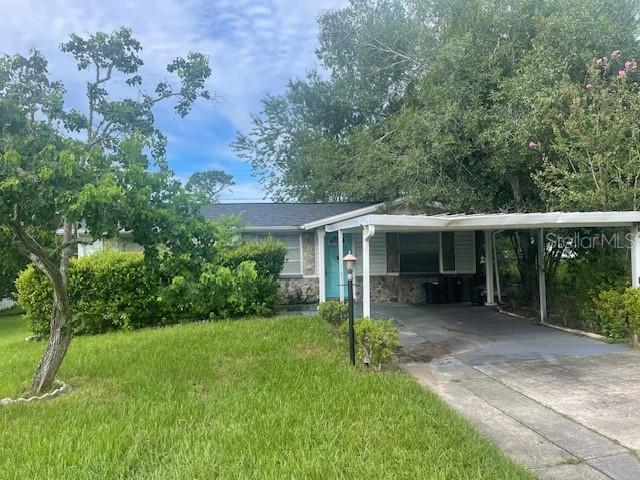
(350, 261)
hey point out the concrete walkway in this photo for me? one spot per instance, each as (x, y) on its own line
(564, 406)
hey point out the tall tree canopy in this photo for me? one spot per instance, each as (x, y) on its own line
(450, 100)
(208, 185)
(100, 169)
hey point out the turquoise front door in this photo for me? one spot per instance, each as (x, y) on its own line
(332, 264)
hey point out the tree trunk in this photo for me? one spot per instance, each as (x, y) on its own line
(59, 329)
(526, 254)
(57, 273)
(59, 340)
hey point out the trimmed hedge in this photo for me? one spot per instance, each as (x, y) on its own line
(108, 291)
(114, 290)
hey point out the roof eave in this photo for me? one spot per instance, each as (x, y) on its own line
(346, 215)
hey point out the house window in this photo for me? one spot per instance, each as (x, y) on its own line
(293, 260)
(419, 253)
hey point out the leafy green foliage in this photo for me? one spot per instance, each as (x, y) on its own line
(593, 162)
(108, 291)
(220, 292)
(35, 296)
(268, 256)
(631, 309)
(579, 280)
(13, 262)
(334, 312)
(618, 312)
(376, 340)
(113, 291)
(609, 319)
(208, 185)
(102, 167)
(441, 101)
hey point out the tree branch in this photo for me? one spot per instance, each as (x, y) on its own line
(68, 244)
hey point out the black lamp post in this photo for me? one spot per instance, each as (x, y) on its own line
(350, 260)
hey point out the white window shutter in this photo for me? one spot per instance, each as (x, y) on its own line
(465, 250)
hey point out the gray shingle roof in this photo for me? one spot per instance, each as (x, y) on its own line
(280, 214)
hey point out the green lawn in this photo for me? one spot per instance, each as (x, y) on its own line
(246, 399)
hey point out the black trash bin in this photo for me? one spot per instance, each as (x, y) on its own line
(432, 292)
(453, 290)
(478, 296)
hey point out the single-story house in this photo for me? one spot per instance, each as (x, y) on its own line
(398, 250)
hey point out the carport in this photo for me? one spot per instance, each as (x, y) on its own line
(370, 225)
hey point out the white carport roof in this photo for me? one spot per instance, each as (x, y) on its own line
(497, 221)
(371, 223)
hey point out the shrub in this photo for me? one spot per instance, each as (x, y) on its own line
(268, 256)
(609, 315)
(375, 341)
(107, 291)
(618, 312)
(580, 279)
(631, 308)
(220, 292)
(112, 290)
(334, 312)
(35, 296)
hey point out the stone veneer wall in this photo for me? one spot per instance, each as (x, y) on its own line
(302, 290)
(395, 289)
(299, 290)
(398, 289)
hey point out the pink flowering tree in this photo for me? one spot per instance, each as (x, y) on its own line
(593, 160)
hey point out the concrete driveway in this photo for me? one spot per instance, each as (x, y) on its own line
(566, 407)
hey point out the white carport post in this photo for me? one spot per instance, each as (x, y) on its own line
(368, 231)
(488, 267)
(322, 294)
(542, 282)
(635, 263)
(341, 264)
(635, 255)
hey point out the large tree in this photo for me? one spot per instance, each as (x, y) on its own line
(593, 159)
(446, 100)
(437, 100)
(99, 169)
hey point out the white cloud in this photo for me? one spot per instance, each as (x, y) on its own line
(244, 192)
(255, 46)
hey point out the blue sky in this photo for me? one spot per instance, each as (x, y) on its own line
(255, 46)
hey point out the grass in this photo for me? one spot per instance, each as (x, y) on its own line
(247, 399)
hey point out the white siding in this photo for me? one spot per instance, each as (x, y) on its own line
(293, 260)
(465, 248)
(317, 248)
(6, 303)
(84, 249)
(377, 252)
